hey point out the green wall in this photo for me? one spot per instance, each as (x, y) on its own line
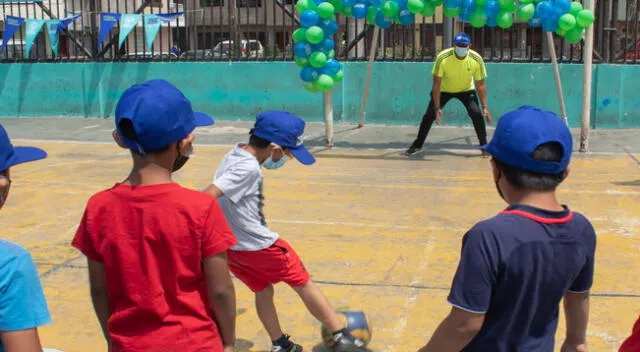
(237, 91)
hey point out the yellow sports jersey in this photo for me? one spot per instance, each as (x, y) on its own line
(458, 75)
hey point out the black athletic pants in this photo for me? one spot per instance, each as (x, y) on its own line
(470, 101)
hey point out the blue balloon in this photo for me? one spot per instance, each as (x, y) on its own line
(331, 67)
(402, 4)
(452, 4)
(327, 44)
(465, 16)
(406, 17)
(534, 22)
(309, 18)
(544, 10)
(359, 11)
(376, 3)
(382, 21)
(562, 5)
(302, 49)
(308, 74)
(318, 2)
(330, 27)
(549, 25)
(468, 5)
(491, 8)
(349, 3)
(492, 22)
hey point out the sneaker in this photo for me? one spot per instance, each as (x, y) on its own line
(412, 151)
(348, 343)
(293, 347)
(485, 154)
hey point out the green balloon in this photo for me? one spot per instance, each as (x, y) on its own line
(331, 54)
(304, 5)
(310, 87)
(325, 10)
(318, 59)
(561, 32)
(574, 36)
(428, 10)
(451, 12)
(415, 6)
(390, 9)
(566, 22)
(525, 2)
(478, 18)
(338, 76)
(302, 62)
(314, 35)
(347, 11)
(372, 12)
(299, 35)
(526, 12)
(585, 18)
(505, 4)
(575, 8)
(480, 3)
(504, 20)
(324, 82)
(436, 3)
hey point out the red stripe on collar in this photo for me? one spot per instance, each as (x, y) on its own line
(541, 219)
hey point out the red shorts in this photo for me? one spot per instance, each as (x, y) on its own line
(274, 264)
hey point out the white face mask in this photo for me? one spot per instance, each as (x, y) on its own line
(272, 165)
(461, 52)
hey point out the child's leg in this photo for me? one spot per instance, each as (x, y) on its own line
(267, 313)
(319, 306)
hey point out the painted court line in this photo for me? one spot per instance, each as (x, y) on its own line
(452, 150)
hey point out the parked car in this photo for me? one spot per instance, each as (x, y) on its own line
(250, 48)
(149, 56)
(197, 54)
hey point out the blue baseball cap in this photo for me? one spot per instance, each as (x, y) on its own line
(10, 155)
(521, 131)
(284, 129)
(462, 39)
(160, 115)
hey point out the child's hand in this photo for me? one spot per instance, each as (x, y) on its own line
(276, 153)
(229, 349)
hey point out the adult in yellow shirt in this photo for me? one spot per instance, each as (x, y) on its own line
(458, 72)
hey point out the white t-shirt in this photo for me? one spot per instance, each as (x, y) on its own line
(239, 177)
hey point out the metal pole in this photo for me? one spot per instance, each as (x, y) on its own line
(447, 38)
(556, 72)
(328, 116)
(586, 85)
(367, 83)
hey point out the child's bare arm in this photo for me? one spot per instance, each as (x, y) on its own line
(21, 341)
(576, 308)
(222, 296)
(214, 191)
(98, 284)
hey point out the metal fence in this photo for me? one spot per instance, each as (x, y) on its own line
(208, 30)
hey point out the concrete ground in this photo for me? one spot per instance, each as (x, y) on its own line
(379, 232)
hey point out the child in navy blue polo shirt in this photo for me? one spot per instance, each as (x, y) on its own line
(516, 267)
(23, 307)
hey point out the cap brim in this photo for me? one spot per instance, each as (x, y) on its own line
(27, 154)
(203, 119)
(302, 155)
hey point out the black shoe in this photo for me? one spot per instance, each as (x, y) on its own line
(347, 343)
(293, 347)
(412, 151)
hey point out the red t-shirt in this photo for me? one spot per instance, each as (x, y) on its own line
(152, 241)
(632, 343)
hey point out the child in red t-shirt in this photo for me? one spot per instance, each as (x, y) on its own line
(157, 251)
(632, 343)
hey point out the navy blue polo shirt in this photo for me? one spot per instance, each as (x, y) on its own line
(515, 268)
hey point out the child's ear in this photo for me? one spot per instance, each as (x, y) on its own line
(116, 137)
(185, 144)
(566, 172)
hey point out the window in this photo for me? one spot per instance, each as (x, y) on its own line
(249, 3)
(211, 3)
(156, 3)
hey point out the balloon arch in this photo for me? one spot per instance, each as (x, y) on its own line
(313, 49)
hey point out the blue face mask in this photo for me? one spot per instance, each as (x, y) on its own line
(461, 52)
(272, 165)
